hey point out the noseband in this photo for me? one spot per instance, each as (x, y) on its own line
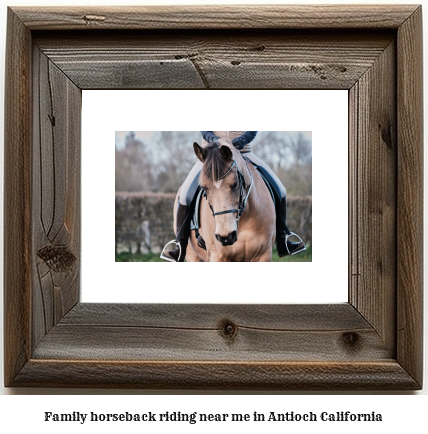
(242, 196)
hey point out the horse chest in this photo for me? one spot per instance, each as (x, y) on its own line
(241, 251)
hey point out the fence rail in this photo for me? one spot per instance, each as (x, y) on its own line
(144, 221)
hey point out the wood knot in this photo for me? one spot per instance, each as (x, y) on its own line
(351, 341)
(58, 259)
(94, 18)
(386, 134)
(185, 56)
(227, 329)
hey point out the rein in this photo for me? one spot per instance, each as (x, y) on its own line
(242, 196)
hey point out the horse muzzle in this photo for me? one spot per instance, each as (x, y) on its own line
(229, 240)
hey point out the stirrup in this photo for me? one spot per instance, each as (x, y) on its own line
(165, 258)
(286, 243)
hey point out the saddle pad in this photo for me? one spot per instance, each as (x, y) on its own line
(273, 187)
(194, 223)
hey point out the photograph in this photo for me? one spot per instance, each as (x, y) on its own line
(220, 196)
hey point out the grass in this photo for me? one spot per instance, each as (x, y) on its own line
(134, 257)
(305, 256)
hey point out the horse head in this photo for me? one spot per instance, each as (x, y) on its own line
(222, 180)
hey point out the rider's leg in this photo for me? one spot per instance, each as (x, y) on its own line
(183, 218)
(284, 248)
(283, 244)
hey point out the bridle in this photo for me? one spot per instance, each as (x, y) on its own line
(242, 196)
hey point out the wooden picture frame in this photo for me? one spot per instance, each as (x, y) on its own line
(372, 342)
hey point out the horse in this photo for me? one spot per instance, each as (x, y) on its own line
(237, 219)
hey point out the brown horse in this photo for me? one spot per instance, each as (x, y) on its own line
(237, 219)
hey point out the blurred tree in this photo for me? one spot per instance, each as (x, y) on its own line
(290, 157)
(162, 163)
(176, 158)
(133, 166)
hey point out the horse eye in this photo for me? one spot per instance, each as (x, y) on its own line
(234, 186)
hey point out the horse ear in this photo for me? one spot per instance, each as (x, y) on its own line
(226, 152)
(200, 152)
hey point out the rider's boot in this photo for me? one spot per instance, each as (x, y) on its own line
(283, 245)
(183, 228)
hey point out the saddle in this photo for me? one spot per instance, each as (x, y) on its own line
(196, 193)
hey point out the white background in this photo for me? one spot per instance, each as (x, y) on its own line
(401, 413)
(325, 113)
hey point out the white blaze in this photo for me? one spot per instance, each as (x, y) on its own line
(217, 184)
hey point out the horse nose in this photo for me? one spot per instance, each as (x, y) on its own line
(230, 239)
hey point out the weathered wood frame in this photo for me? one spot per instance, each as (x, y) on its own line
(372, 342)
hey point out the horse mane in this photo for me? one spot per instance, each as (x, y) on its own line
(215, 165)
